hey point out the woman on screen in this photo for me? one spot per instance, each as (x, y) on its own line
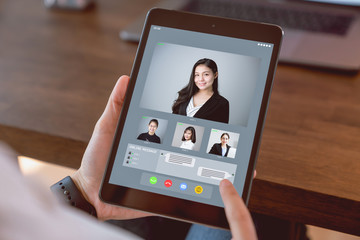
(150, 136)
(200, 98)
(188, 139)
(221, 149)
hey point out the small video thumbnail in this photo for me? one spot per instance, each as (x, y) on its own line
(188, 136)
(152, 129)
(223, 143)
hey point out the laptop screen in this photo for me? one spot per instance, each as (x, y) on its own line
(340, 2)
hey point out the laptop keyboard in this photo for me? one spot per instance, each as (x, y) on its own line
(284, 17)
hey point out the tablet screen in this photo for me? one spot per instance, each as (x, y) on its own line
(177, 145)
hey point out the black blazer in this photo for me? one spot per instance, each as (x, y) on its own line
(215, 109)
(216, 149)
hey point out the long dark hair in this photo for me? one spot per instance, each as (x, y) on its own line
(190, 89)
(154, 121)
(193, 134)
(225, 134)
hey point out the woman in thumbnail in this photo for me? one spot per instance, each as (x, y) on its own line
(189, 138)
(201, 98)
(221, 149)
(150, 136)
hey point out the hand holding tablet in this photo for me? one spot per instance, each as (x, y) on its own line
(88, 177)
(208, 73)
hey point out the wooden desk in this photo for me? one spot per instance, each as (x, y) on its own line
(58, 68)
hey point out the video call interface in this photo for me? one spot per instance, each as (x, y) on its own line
(193, 115)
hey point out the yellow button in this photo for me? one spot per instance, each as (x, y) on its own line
(198, 189)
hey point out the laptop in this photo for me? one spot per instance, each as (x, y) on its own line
(318, 33)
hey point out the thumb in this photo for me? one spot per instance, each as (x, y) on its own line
(237, 214)
(108, 120)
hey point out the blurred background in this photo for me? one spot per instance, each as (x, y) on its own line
(59, 61)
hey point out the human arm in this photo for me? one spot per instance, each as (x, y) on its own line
(222, 109)
(29, 211)
(89, 176)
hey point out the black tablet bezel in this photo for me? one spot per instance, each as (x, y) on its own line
(171, 206)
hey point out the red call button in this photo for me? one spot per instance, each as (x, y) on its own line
(168, 183)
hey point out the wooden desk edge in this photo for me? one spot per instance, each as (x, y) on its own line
(54, 149)
(307, 207)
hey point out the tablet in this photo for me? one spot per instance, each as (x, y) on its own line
(192, 116)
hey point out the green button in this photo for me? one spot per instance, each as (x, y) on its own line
(153, 180)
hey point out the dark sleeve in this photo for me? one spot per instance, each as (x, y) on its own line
(215, 109)
(220, 111)
(141, 137)
(157, 140)
(227, 111)
(213, 149)
(227, 150)
(224, 107)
